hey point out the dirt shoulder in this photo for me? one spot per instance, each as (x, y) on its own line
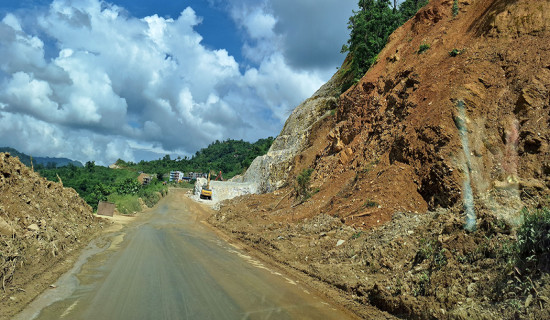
(257, 249)
(416, 266)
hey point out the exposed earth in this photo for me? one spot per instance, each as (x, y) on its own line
(425, 136)
(454, 118)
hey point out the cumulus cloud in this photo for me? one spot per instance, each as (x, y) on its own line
(122, 87)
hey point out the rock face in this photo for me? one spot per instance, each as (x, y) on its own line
(222, 190)
(269, 172)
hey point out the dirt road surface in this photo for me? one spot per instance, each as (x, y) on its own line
(167, 264)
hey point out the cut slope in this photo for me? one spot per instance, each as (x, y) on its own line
(397, 138)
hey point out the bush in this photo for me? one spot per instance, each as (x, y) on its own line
(455, 8)
(533, 240)
(302, 184)
(455, 52)
(423, 48)
(128, 186)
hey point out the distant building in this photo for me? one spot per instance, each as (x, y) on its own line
(176, 176)
(195, 175)
(144, 178)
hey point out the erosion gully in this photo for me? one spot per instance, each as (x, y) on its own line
(167, 264)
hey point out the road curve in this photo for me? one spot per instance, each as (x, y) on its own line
(169, 265)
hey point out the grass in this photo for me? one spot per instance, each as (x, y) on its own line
(125, 204)
(423, 48)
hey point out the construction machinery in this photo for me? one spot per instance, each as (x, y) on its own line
(206, 191)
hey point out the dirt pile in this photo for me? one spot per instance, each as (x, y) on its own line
(41, 222)
(416, 266)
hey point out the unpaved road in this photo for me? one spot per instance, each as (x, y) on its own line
(169, 265)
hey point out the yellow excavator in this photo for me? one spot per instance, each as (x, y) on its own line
(206, 192)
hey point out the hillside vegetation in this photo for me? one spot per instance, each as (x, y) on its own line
(232, 157)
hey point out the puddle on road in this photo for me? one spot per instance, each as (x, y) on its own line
(68, 283)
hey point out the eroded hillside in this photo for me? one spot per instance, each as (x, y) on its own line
(453, 119)
(485, 72)
(41, 223)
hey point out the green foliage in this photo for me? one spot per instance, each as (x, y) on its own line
(302, 184)
(422, 284)
(533, 240)
(128, 186)
(455, 52)
(455, 8)
(356, 235)
(423, 48)
(370, 204)
(232, 157)
(125, 203)
(96, 183)
(370, 28)
(432, 251)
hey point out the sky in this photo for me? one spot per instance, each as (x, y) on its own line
(95, 80)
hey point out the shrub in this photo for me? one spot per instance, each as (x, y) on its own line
(455, 8)
(533, 240)
(423, 48)
(128, 186)
(455, 52)
(302, 184)
(370, 204)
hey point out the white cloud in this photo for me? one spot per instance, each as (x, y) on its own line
(119, 86)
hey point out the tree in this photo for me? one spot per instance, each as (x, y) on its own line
(90, 165)
(370, 29)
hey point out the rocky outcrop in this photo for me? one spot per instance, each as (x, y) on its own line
(270, 172)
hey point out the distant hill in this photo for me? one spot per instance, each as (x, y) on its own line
(45, 161)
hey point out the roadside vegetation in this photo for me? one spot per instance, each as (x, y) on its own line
(97, 183)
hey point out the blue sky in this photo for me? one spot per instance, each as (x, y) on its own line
(102, 80)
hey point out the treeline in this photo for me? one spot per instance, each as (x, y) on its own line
(370, 28)
(232, 157)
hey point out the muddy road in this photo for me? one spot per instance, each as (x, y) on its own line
(167, 264)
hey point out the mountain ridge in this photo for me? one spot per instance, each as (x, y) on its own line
(45, 161)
